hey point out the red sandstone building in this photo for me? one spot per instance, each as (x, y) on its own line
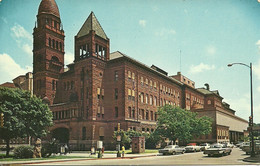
(101, 91)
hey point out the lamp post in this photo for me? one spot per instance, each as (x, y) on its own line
(251, 90)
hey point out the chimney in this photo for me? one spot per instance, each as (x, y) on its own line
(207, 86)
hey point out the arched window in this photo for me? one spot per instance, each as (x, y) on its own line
(49, 42)
(57, 44)
(60, 46)
(54, 58)
(53, 43)
(84, 133)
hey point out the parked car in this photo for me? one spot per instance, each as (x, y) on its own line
(192, 148)
(229, 145)
(247, 149)
(204, 146)
(239, 144)
(172, 149)
(218, 149)
(244, 144)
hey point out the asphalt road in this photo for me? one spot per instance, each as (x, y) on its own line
(188, 158)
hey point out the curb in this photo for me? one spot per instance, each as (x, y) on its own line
(64, 160)
(251, 160)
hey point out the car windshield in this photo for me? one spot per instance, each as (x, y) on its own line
(203, 144)
(215, 146)
(169, 146)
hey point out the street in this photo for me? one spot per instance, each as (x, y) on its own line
(197, 158)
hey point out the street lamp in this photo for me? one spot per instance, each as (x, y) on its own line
(251, 90)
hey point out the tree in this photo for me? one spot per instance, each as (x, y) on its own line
(24, 115)
(126, 136)
(176, 123)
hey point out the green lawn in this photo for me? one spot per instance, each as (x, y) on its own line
(49, 158)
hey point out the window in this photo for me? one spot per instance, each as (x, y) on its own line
(98, 93)
(116, 75)
(142, 97)
(129, 94)
(142, 80)
(83, 133)
(147, 115)
(103, 112)
(146, 81)
(146, 99)
(133, 95)
(151, 83)
(60, 46)
(151, 100)
(53, 43)
(98, 111)
(151, 113)
(116, 112)
(49, 42)
(155, 101)
(129, 74)
(53, 84)
(133, 113)
(116, 94)
(129, 112)
(57, 44)
(133, 75)
(142, 114)
(103, 94)
(154, 85)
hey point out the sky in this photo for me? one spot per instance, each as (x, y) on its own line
(197, 37)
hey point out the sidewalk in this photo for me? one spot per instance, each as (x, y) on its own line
(81, 154)
(255, 159)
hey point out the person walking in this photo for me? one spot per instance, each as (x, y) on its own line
(123, 151)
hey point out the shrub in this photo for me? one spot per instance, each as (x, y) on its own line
(22, 152)
(49, 148)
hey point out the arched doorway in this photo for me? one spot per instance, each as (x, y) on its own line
(61, 134)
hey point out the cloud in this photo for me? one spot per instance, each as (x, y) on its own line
(69, 58)
(142, 23)
(19, 32)
(211, 50)
(10, 68)
(23, 38)
(28, 49)
(165, 32)
(200, 68)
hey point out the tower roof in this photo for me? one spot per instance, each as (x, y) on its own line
(92, 24)
(49, 7)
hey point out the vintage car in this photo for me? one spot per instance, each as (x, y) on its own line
(247, 148)
(171, 149)
(204, 146)
(192, 148)
(218, 149)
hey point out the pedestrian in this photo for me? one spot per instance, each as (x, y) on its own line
(66, 149)
(123, 151)
(103, 149)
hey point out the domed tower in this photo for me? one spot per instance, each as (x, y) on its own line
(48, 50)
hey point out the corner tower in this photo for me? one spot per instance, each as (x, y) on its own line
(91, 40)
(48, 50)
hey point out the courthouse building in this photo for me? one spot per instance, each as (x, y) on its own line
(101, 91)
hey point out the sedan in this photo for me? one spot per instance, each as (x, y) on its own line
(218, 149)
(193, 148)
(172, 149)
